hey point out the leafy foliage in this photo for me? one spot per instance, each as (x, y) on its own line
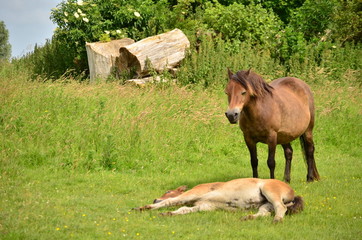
(285, 30)
(346, 23)
(243, 23)
(313, 18)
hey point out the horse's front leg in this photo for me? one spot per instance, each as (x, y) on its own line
(253, 156)
(272, 144)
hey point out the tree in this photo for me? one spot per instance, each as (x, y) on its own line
(5, 47)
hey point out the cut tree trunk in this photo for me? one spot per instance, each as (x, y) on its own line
(157, 53)
(102, 57)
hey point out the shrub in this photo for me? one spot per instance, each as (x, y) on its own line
(313, 18)
(244, 23)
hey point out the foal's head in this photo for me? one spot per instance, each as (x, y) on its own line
(241, 87)
(171, 194)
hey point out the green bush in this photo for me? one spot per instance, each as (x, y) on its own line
(243, 23)
(314, 17)
(346, 23)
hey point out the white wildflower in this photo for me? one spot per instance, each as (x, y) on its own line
(107, 32)
(118, 31)
(79, 11)
(85, 19)
(66, 14)
(76, 15)
(83, 14)
(137, 14)
(65, 20)
(80, 2)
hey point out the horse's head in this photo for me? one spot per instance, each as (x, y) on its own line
(171, 194)
(238, 93)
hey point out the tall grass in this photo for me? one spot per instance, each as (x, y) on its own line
(206, 65)
(76, 157)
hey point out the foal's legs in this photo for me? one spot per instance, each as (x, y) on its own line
(264, 210)
(185, 210)
(288, 153)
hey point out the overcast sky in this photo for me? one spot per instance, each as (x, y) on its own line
(28, 23)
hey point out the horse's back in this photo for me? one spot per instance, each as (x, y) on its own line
(292, 84)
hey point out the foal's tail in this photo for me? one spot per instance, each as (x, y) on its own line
(303, 144)
(296, 206)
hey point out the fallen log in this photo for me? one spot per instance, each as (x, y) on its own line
(102, 57)
(160, 52)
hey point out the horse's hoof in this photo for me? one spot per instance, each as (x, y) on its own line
(246, 218)
(165, 214)
(141, 208)
(277, 220)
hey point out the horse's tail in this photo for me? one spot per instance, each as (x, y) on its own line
(303, 144)
(296, 206)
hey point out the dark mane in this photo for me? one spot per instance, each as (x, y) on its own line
(252, 82)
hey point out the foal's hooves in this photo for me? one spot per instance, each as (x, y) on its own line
(246, 218)
(141, 208)
(277, 220)
(165, 214)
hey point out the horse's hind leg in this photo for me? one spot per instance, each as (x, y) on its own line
(272, 144)
(288, 153)
(307, 144)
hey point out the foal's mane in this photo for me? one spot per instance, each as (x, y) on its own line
(253, 82)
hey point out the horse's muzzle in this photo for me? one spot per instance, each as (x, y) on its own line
(233, 115)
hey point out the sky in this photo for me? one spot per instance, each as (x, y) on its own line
(28, 23)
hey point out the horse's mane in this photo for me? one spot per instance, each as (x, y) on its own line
(254, 83)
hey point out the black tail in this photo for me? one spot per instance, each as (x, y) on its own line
(296, 206)
(303, 144)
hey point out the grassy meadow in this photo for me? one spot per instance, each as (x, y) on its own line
(76, 157)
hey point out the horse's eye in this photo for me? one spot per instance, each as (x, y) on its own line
(243, 93)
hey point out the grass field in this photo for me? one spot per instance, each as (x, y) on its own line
(75, 158)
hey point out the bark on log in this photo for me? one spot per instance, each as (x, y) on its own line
(158, 52)
(102, 57)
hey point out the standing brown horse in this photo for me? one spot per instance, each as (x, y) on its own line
(275, 113)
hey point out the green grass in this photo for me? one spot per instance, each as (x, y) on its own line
(75, 158)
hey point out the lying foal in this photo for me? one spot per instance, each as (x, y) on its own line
(265, 194)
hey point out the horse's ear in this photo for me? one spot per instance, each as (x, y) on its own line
(181, 189)
(230, 73)
(248, 72)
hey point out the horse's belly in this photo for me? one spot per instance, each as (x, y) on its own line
(292, 129)
(287, 137)
(244, 198)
